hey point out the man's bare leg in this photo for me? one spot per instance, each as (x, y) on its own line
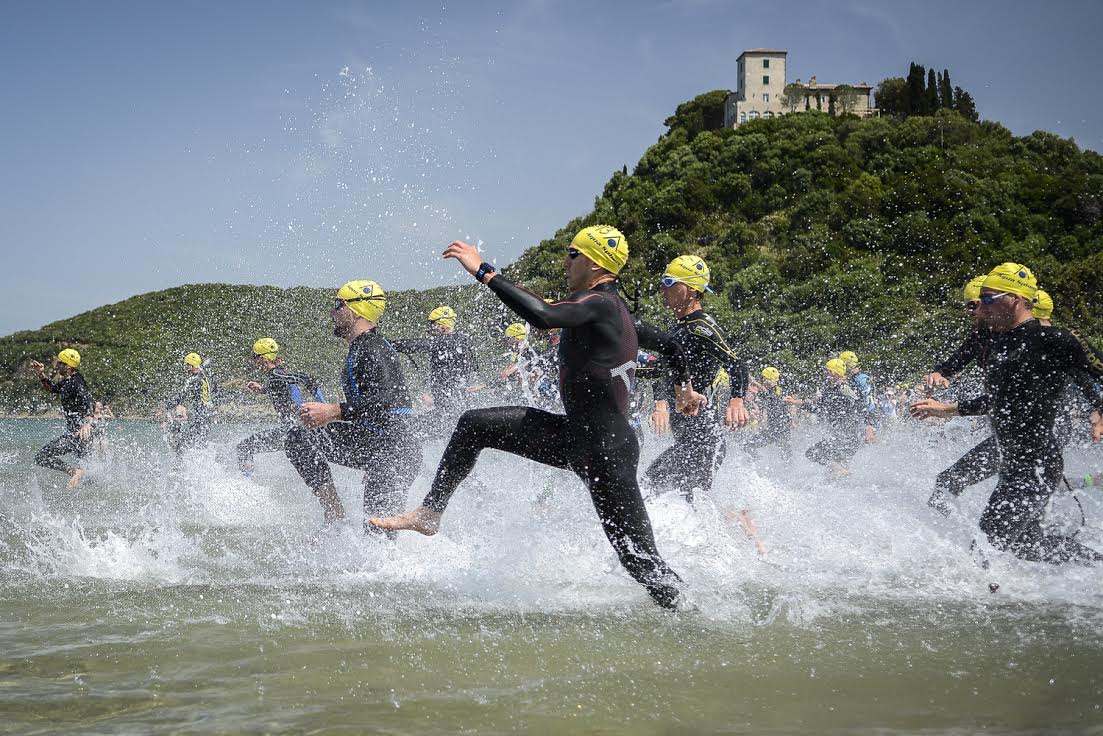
(422, 520)
(332, 509)
(74, 478)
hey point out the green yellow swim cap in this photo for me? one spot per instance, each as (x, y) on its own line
(836, 366)
(972, 289)
(771, 374)
(517, 330)
(266, 348)
(444, 316)
(849, 359)
(1043, 305)
(691, 271)
(365, 298)
(193, 360)
(604, 245)
(1013, 278)
(69, 357)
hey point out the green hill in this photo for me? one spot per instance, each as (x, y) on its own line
(823, 233)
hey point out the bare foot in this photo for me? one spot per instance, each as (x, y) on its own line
(74, 479)
(838, 472)
(743, 518)
(421, 520)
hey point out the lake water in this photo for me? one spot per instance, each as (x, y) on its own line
(194, 600)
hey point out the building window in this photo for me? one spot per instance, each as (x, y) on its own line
(767, 114)
(754, 114)
(742, 117)
(765, 96)
(765, 63)
(765, 81)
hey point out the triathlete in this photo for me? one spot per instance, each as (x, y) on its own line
(371, 430)
(866, 389)
(287, 390)
(79, 410)
(690, 464)
(777, 427)
(1028, 368)
(196, 400)
(597, 362)
(839, 407)
(452, 367)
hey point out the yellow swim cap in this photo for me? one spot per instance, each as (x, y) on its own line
(1043, 305)
(689, 270)
(193, 360)
(443, 315)
(1013, 278)
(69, 357)
(849, 359)
(604, 245)
(972, 289)
(364, 297)
(770, 373)
(266, 348)
(517, 330)
(836, 366)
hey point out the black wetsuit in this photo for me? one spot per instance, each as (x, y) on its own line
(374, 435)
(452, 362)
(78, 406)
(778, 428)
(287, 390)
(1027, 372)
(692, 461)
(597, 359)
(197, 396)
(844, 413)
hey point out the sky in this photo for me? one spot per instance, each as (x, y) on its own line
(146, 145)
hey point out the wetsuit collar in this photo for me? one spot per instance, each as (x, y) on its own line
(695, 314)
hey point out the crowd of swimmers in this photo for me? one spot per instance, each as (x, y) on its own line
(581, 365)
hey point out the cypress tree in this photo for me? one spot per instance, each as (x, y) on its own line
(963, 103)
(945, 91)
(931, 93)
(915, 98)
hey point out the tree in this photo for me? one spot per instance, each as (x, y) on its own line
(793, 95)
(930, 94)
(945, 91)
(703, 112)
(963, 103)
(846, 98)
(916, 104)
(891, 96)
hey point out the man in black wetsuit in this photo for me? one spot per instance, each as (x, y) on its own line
(196, 398)
(287, 390)
(777, 429)
(690, 464)
(597, 358)
(371, 430)
(452, 364)
(982, 462)
(1028, 367)
(79, 410)
(839, 407)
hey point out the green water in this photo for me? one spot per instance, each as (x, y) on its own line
(211, 604)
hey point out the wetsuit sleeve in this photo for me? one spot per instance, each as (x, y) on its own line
(186, 397)
(84, 397)
(411, 345)
(966, 353)
(572, 312)
(711, 341)
(973, 407)
(660, 341)
(1085, 366)
(50, 386)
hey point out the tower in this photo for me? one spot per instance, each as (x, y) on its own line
(761, 84)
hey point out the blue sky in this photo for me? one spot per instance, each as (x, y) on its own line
(145, 145)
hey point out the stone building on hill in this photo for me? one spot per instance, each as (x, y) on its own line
(762, 91)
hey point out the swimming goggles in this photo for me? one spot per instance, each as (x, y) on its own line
(992, 298)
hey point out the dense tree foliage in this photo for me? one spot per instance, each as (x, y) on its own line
(923, 92)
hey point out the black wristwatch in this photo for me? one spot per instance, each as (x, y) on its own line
(484, 269)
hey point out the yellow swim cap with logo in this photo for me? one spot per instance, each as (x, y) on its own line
(604, 245)
(1013, 278)
(193, 360)
(771, 374)
(1042, 305)
(691, 271)
(517, 330)
(972, 289)
(266, 348)
(365, 298)
(848, 358)
(836, 366)
(444, 316)
(69, 357)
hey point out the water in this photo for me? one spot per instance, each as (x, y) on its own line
(202, 602)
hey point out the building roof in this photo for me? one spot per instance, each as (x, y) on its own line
(829, 87)
(783, 52)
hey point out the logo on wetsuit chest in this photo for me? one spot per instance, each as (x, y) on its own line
(624, 371)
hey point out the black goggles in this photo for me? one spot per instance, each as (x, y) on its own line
(573, 253)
